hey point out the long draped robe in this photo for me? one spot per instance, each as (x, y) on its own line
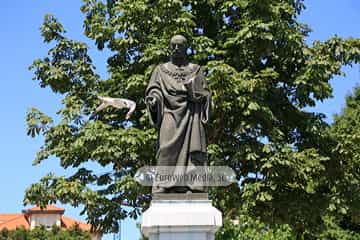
(179, 116)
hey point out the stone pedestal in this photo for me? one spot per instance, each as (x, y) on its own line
(181, 217)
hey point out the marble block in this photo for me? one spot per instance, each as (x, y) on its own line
(181, 216)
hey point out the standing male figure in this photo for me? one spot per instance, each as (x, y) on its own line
(178, 102)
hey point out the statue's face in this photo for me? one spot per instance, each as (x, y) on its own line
(178, 45)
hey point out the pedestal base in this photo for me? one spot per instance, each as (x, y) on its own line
(180, 217)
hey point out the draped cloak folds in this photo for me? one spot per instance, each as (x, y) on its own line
(179, 116)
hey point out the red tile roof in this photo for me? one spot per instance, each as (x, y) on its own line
(47, 209)
(67, 222)
(13, 221)
(8, 217)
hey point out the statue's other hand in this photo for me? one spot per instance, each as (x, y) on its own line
(187, 83)
(188, 86)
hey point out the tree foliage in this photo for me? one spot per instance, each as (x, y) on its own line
(252, 229)
(262, 75)
(41, 233)
(346, 131)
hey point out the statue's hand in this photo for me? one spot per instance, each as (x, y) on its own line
(151, 101)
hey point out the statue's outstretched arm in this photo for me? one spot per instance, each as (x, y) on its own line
(117, 103)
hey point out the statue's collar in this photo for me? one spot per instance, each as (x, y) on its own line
(189, 67)
(179, 73)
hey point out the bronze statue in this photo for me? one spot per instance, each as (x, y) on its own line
(178, 102)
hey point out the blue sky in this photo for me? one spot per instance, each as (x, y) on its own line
(21, 43)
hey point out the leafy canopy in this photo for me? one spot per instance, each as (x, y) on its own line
(41, 233)
(262, 75)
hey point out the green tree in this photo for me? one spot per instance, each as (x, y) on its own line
(262, 75)
(346, 131)
(41, 233)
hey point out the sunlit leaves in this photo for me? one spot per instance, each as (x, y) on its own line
(37, 122)
(51, 29)
(42, 233)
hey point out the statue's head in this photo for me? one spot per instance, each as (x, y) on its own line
(178, 46)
